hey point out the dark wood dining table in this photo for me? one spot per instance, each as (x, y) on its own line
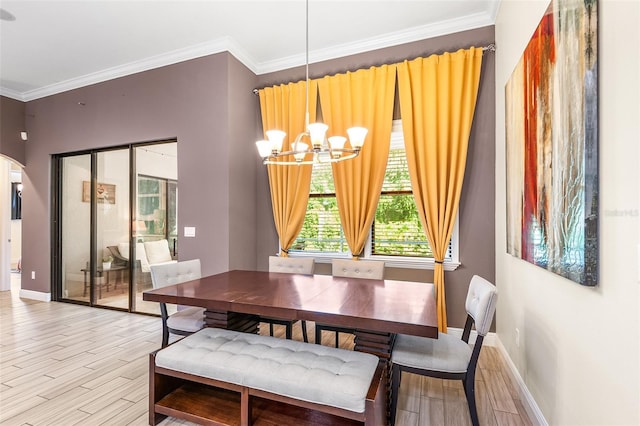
(376, 309)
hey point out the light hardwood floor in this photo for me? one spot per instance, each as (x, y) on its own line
(64, 364)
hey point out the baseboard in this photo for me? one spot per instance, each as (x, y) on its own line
(489, 339)
(35, 295)
(530, 405)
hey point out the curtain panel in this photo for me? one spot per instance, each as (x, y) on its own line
(283, 108)
(361, 98)
(437, 102)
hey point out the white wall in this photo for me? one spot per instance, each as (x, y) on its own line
(578, 352)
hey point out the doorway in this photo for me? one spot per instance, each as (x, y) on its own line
(98, 224)
(10, 224)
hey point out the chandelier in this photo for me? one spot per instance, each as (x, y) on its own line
(312, 145)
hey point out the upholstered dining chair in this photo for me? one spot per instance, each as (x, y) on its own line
(447, 357)
(290, 265)
(187, 319)
(368, 269)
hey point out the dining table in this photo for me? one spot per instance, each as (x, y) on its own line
(376, 309)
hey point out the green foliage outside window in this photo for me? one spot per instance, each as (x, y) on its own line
(396, 230)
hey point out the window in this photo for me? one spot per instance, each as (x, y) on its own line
(396, 234)
(321, 232)
(396, 229)
(157, 209)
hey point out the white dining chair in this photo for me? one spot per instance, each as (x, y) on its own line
(367, 269)
(187, 319)
(290, 265)
(447, 357)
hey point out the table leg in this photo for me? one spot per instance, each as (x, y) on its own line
(99, 275)
(118, 279)
(381, 345)
(232, 321)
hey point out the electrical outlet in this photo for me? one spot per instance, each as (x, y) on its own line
(33, 275)
(517, 338)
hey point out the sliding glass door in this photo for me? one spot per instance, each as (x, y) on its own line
(94, 213)
(155, 224)
(107, 206)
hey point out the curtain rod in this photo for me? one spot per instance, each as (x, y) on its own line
(488, 48)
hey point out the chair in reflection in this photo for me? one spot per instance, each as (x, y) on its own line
(187, 319)
(447, 357)
(146, 254)
(119, 259)
(289, 265)
(368, 269)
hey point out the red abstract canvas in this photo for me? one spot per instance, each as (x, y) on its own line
(552, 145)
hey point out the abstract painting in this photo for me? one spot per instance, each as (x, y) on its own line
(551, 119)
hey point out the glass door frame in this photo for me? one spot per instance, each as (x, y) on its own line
(56, 268)
(57, 170)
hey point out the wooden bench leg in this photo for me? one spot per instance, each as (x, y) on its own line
(245, 407)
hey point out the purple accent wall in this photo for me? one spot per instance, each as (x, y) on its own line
(11, 124)
(244, 117)
(477, 207)
(198, 102)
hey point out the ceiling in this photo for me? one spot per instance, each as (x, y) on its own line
(52, 46)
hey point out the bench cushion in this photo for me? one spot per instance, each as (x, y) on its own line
(304, 371)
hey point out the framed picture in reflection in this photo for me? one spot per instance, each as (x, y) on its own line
(105, 192)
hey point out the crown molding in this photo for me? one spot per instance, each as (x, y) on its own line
(409, 35)
(227, 44)
(494, 7)
(13, 94)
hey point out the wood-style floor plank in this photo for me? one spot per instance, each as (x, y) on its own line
(431, 412)
(65, 364)
(499, 396)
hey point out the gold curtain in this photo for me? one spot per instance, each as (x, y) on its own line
(283, 108)
(437, 101)
(361, 98)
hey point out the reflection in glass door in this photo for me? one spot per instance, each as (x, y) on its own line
(155, 224)
(112, 229)
(75, 221)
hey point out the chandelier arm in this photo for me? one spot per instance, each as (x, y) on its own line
(294, 145)
(278, 159)
(353, 154)
(307, 162)
(313, 151)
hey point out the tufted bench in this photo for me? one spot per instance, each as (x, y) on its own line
(218, 376)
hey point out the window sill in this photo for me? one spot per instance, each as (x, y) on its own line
(389, 261)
